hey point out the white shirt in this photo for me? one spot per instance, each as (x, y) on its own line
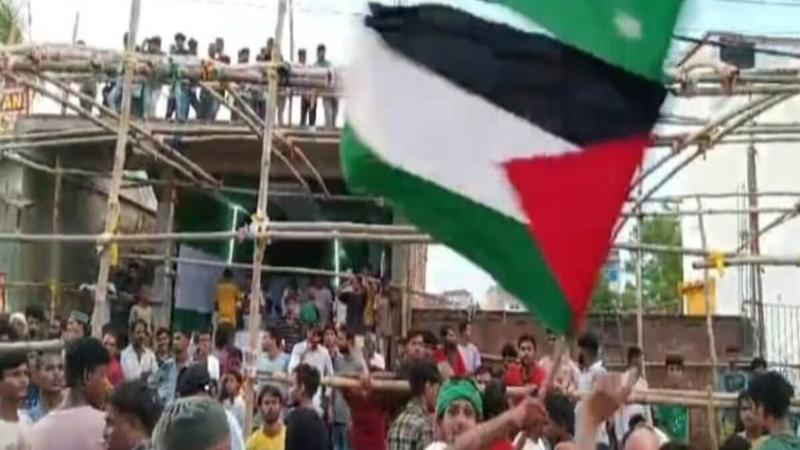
(377, 361)
(471, 356)
(213, 367)
(436, 446)
(237, 438)
(319, 359)
(13, 434)
(622, 418)
(586, 381)
(236, 407)
(133, 367)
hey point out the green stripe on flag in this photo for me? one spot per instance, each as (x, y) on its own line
(632, 34)
(488, 238)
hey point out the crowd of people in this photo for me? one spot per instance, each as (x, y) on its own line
(179, 390)
(183, 96)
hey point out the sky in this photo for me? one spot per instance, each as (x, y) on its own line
(248, 23)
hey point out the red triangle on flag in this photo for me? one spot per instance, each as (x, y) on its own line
(572, 202)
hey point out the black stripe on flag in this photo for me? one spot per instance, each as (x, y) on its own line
(563, 90)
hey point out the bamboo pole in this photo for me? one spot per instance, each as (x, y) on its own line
(640, 278)
(100, 313)
(712, 346)
(65, 95)
(55, 247)
(261, 220)
(762, 260)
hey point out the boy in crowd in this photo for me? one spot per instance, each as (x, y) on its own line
(772, 395)
(47, 374)
(79, 422)
(133, 411)
(525, 371)
(13, 388)
(412, 430)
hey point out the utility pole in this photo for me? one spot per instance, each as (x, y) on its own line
(101, 311)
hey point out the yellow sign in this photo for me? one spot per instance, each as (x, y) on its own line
(14, 100)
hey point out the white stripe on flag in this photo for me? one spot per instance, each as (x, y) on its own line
(419, 122)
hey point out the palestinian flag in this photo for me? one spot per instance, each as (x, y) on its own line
(510, 130)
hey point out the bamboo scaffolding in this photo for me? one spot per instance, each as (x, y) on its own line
(261, 221)
(258, 131)
(100, 313)
(92, 61)
(712, 346)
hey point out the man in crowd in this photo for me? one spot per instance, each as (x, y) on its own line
(459, 411)
(308, 103)
(329, 104)
(347, 362)
(566, 379)
(305, 429)
(143, 309)
(166, 379)
(311, 352)
(758, 366)
(110, 340)
(162, 345)
(525, 371)
(290, 328)
(228, 297)
(412, 429)
(79, 422)
(469, 351)
(34, 317)
(138, 361)
(448, 357)
(772, 396)
(560, 425)
(13, 388)
(204, 356)
(196, 423)
(272, 433)
(592, 369)
(622, 419)
(354, 295)
(195, 381)
(133, 411)
(273, 359)
(674, 418)
(77, 326)
(323, 300)
(47, 374)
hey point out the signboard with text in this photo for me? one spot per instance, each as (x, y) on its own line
(14, 100)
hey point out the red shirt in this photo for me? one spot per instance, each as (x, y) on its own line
(459, 368)
(502, 445)
(114, 373)
(516, 376)
(369, 425)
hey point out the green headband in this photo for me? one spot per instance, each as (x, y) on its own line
(458, 389)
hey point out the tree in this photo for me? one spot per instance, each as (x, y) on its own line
(11, 23)
(662, 272)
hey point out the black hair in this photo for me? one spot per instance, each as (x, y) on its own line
(495, 401)
(162, 330)
(6, 329)
(560, 410)
(589, 341)
(136, 399)
(321, 47)
(193, 380)
(758, 363)
(736, 442)
(527, 338)
(36, 311)
(462, 327)
(420, 373)
(12, 360)
(309, 378)
(483, 368)
(414, 333)
(275, 332)
(674, 445)
(83, 355)
(509, 351)
(771, 391)
(136, 323)
(673, 359)
(430, 338)
(228, 273)
(743, 397)
(272, 391)
(633, 352)
(444, 330)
